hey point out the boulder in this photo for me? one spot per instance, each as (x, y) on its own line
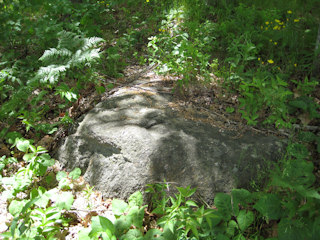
(135, 138)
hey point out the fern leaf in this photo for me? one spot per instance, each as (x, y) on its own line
(91, 43)
(69, 41)
(53, 54)
(51, 73)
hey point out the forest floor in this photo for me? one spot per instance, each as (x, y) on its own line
(205, 103)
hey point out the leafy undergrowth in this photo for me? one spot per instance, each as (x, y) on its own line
(257, 60)
(40, 199)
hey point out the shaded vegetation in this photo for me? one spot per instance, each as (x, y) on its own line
(264, 53)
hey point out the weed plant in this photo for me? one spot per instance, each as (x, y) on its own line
(264, 51)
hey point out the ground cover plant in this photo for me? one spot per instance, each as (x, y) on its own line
(262, 55)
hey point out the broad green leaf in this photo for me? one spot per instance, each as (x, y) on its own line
(101, 224)
(239, 237)
(240, 196)
(23, 145)
(64, 184)
(16, 207)
(60, 175)
(137, 215)
(122, 225)
(12, 137)
(132, 234)
(119, 207)
(84, 234)
(65, 201)
(212, 217)
(222, 237)
(136, 199)
(153, 234)
(75, 174)
(245, 219)
(46, 160)
(28, 156)
(231, 228)
(43, 199)
(269, 205)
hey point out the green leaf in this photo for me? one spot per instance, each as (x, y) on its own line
(269, 205)
(298, 151)
(190, 203)
(132, 234)
(46, 160)
(299, 104)
(75, 174)
(28, 156)
(136, 199)
(212, 217)
(137, 215)
(122, 225)
(186, 192)
(242, 197)
(60, 175)
(231, 228)
(222, 237)
(223, 202)
(119, 207)
(307, 136)
(245, 219)
(102, 224)
(153, 234)
(84, 234)
(16, 207)
(291, 230)
(23, 145)
(65, 201)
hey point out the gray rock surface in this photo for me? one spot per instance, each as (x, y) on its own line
(133, 139)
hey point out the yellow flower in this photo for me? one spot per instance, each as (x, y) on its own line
(289, 12)
(279, 68)
(270, 40)
(287, 19)
(270, 61)
(281, 23)
(147, 1)
(296, 20)
(275, 43)
(262, 62)
(259, 59)
(275, 27)
(295, 65)
(267, 23)
(276, 20)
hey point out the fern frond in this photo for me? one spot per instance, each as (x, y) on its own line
(72, 51)
(91, 43)
(8, 74)
(51, 73)
(54, 55)
(69, 40)
(82, 58)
